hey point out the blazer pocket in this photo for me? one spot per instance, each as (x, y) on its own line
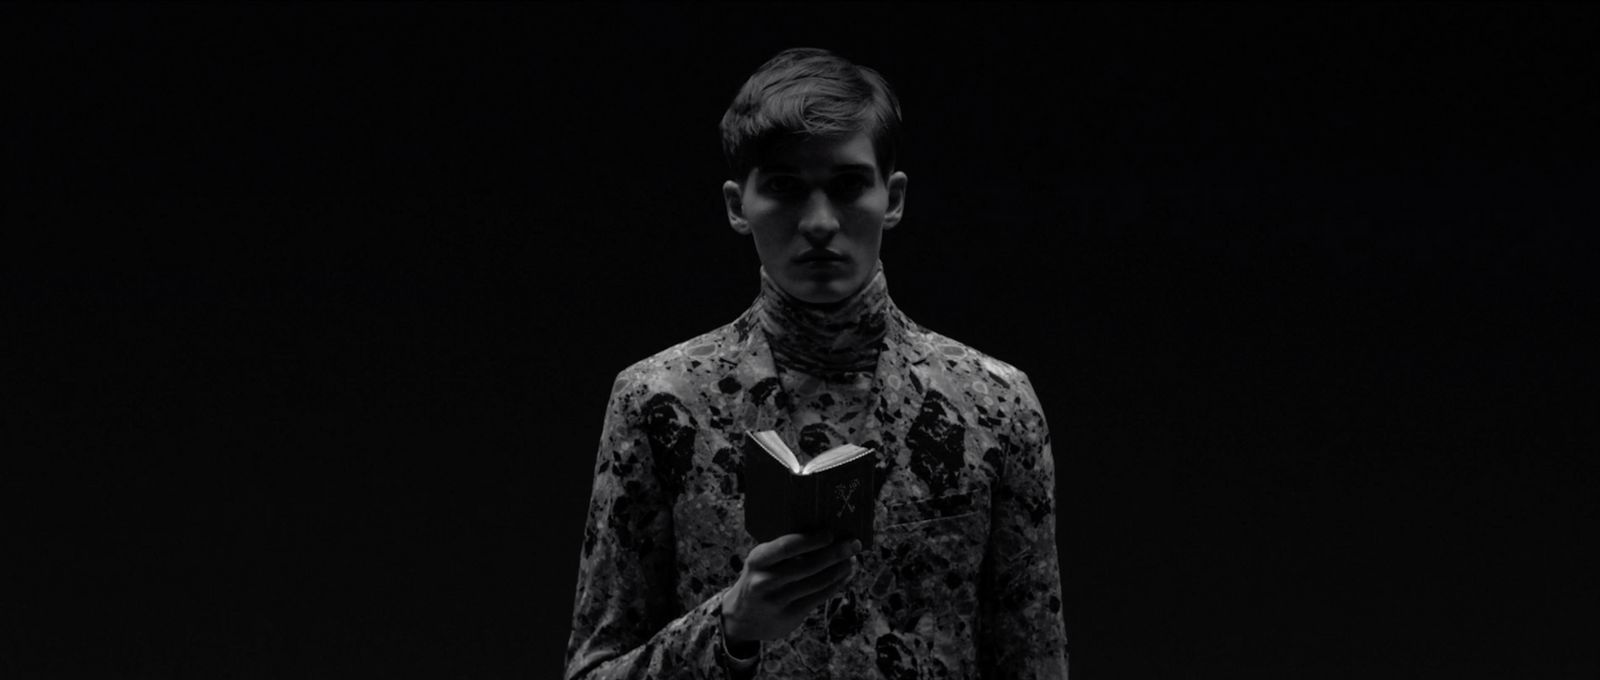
(922, 510)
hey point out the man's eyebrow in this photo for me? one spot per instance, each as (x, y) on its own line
(843, 167)
(855, 167)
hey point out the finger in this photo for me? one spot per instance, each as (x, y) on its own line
(788, 546)
(805, 603)
(805, 566)
(823, 580)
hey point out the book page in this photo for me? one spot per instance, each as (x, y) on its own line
(834, 457)
(772, 444)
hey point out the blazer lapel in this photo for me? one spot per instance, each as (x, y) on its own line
(899, 389)
(751, 394)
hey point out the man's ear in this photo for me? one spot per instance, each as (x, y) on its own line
(733, 198)
(897, 199)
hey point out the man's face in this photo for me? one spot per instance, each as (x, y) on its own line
(817, 208)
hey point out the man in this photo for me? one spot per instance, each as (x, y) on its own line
(962, 579)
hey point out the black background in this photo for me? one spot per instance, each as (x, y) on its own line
(311, 311)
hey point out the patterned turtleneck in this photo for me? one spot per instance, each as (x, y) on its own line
(826, 357)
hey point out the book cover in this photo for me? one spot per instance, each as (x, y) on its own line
(782, 496)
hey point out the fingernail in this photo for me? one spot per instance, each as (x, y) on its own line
(855, 546)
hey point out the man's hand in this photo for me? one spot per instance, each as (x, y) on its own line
(782, 581)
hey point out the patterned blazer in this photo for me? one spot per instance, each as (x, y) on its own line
(962, 581)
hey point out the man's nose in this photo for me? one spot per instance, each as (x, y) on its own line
(819, 221)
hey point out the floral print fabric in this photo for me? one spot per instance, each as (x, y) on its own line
(962, 581)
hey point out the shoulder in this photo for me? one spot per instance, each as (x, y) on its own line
(967, 363)
(681, 371)
(995, 388)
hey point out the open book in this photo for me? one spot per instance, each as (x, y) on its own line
(782, 496)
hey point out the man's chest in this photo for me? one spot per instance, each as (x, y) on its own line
(933, 479)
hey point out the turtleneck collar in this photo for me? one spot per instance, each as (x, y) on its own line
(843, 336)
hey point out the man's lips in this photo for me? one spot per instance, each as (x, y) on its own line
(820, 256)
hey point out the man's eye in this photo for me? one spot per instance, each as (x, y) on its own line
(782, 185)
(850, 187)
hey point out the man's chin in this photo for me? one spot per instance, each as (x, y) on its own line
(822, 293)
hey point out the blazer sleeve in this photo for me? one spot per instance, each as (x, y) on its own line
(626, 619)
(1022, 632)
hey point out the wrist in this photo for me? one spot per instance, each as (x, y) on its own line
(736, 647)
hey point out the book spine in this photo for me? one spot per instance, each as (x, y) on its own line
(807, 517)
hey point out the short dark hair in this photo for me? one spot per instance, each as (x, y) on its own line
(809, 92)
